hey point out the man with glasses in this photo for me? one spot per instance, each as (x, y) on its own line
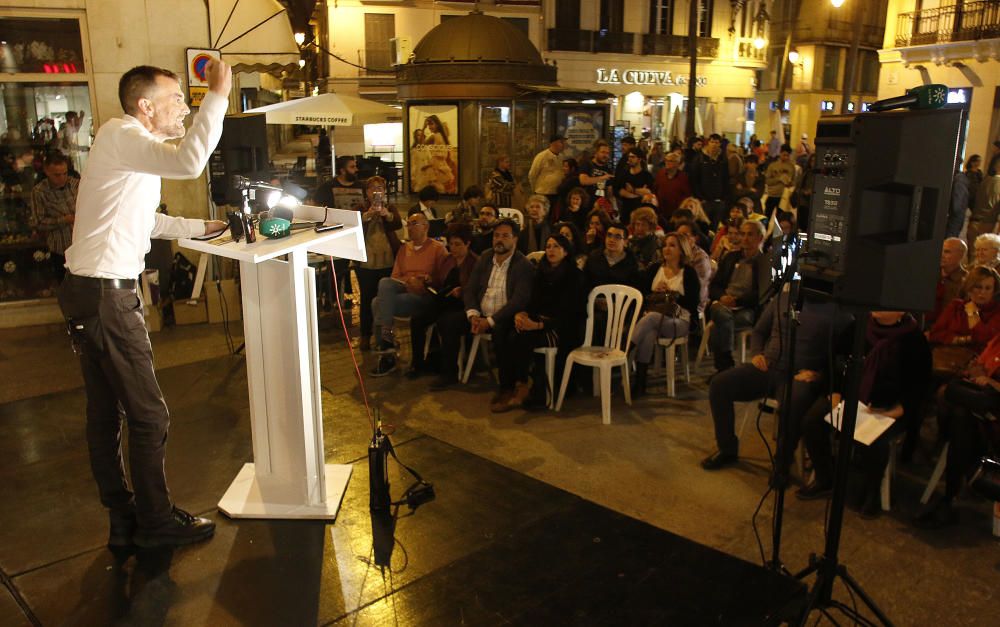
(614, 264)
(482, 232)
(404, 292)
(499, 287)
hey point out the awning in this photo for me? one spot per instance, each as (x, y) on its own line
(329, 110)
(553, 92)
(253, 35)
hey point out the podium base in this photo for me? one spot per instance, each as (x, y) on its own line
(244, 500)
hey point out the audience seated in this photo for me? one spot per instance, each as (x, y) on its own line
(405, 292)
(968, 401)
(767, 373)
(536, 228)
(972, 322)
(728, 239)
(499, 287)
(575, 211)
(554, 317)
(894, 382)
(700, 218)
(672, 291)
(598, 222)
(427, 200)
(575, 237)
(614, 264)
(450, 278)
(699, 259)
(986, 250)
(949, 285)
(643, 241)
(736, 291)
(482, 229)
(468, 207)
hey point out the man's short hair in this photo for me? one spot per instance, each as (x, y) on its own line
(491, 205)
(957, 240)
(628, 139)
(601, 143)
(472, 191)
(751, 158)
(715, 136)
(757, 226)
(56, 158)
(786, 148)
(638, 152)
(137, 83)
(343, 161)
(428, 193)
(618, 225)
(416, 212)
(461, 230)
(515, 228)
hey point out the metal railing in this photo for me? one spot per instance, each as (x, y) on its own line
(574, 40)
(960, 22)
(677, 45)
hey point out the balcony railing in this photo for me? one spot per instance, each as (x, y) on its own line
(677, 45)
(591, 41)
(375, 62)
(961, 22)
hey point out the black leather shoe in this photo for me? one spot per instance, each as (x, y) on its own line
(813, 491)
(719, 460)
(183, 528)
(123, 527)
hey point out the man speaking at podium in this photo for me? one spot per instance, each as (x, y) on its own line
(115, 219)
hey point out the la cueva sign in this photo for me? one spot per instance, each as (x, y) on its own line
(616, 76)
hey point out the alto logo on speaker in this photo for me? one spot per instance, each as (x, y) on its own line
(831, 191)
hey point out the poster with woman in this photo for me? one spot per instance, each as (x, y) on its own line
(434, 147)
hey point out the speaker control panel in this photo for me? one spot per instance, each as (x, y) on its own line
(831, 199)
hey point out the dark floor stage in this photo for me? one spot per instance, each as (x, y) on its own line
(495, 547)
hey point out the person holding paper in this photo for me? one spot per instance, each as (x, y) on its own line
(894, 382)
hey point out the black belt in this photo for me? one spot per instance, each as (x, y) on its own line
(108, 284)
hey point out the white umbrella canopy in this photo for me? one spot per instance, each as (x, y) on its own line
(677, 124)
(329, 110)
(710, 120)
(776, 126)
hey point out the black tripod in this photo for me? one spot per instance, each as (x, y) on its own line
(828, 566)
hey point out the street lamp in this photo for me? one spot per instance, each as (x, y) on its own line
(793, 56)
(837, 3)
(759, 42)
(300, 38)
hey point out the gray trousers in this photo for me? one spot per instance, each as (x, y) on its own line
(652, 327)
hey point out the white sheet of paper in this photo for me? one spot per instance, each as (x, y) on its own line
(869, 425)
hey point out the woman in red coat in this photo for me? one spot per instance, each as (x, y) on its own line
(974, 321)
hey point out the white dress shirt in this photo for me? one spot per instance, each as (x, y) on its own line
(120, 191)
(495, 296)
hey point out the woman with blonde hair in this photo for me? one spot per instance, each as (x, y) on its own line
(672, 293)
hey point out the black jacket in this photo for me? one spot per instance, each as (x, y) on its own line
(709, 177)
(559, 301)
(692, 288)
(520, 277)
(599, 272)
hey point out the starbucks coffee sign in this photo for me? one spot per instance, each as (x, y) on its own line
(616, 76)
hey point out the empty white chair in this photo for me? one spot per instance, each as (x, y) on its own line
(936, 475)
(550, 373)
(623, 306)
(535, 257)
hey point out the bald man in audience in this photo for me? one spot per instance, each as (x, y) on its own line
(953, 273)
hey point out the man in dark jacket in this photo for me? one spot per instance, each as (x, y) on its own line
(709, 174)
(767, 374)
(736, 290)
(614, 264)
(499, 287)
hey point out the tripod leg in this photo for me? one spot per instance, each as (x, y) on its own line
(851, 583)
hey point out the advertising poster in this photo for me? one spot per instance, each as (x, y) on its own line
(581, 127)
(434, 147)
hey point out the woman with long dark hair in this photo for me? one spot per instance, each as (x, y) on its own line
(380, 220)
(553, 318)
(434, 132)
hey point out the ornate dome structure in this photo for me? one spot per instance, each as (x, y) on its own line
(473, 49)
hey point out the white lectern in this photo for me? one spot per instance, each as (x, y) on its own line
(288, 477)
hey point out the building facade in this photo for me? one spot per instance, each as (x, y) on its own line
(821, 38)
(954, 43)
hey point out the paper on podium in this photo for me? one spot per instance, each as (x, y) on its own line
(868, 427)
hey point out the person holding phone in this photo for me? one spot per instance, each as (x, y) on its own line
(380, 220)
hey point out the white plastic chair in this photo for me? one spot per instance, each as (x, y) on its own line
(550, 373)
(535, 257)
(742, 338)
(508, 212)
(471, 361)
(623, 306)
(936, 475)
(670, 346)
